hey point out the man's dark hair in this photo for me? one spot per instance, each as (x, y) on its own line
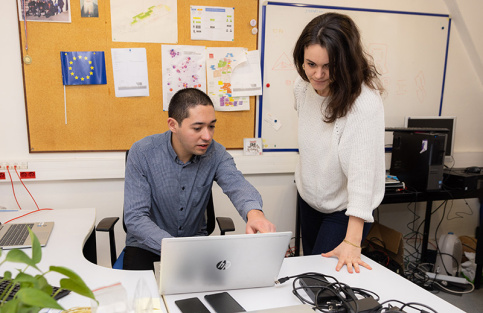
(185, 99)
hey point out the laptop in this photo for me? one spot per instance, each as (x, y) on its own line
(209, 263)
(16, 235)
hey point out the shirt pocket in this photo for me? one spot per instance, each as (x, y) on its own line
(200, 196)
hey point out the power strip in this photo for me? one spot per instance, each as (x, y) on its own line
(452, 279)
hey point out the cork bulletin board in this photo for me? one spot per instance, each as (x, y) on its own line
(97, 120)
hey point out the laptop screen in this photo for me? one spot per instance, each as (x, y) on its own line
(208, 263)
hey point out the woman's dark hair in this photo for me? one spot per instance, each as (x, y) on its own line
(185, 99)
(349, 65)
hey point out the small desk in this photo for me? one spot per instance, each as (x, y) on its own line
(71, 229)
(380, 280)
(428, 197)
(413, 196)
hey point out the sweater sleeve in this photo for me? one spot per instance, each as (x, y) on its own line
(362, 157)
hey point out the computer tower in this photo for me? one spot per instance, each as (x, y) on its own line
(418, 159)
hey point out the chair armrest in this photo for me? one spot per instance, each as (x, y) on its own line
(107, 224)
(225, 224)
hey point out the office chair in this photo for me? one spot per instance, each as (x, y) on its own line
(107, 225)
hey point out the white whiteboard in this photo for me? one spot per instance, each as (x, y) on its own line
(409, 50)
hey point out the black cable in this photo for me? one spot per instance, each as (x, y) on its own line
(411, 305)
(459, 214)
(403, 305)
(438, 251)
(345, 295)
(334, 293)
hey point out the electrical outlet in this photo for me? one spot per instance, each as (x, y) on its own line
(27, 175)
(19, 165)
(2, 175)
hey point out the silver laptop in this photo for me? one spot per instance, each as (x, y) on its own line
(209, 263)
(16, 235)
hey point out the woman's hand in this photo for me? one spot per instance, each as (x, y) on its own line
(349, 251)
(348, 255)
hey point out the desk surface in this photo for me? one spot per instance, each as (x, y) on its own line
(64, 248)
(380, 280)
(423, 196)
(73, 226)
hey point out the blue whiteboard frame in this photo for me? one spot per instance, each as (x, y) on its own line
(262, 52)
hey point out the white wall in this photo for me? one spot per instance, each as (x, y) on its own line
(79, 180)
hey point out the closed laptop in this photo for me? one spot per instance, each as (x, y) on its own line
(209, 263)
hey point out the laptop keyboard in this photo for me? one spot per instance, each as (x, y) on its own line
(5, 285)
(15, 235)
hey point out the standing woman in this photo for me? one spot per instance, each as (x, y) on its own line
(340, 176)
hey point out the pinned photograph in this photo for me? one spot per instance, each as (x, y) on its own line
(89, 8)
(44, 10)
(252, 146)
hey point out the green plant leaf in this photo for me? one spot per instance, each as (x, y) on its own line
(77, 287)
(24, 277)
(7, 275)
(66, 272)
(36, 248)
(43, 284)
(38, 282)
(18, 256)
(37, 298)
(10, 306)
(8, 285)
(74, 282)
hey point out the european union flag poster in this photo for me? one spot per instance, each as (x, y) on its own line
(83, 68)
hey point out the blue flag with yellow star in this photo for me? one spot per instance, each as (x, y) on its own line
(83, 68)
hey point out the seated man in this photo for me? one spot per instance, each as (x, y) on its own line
(169, 178)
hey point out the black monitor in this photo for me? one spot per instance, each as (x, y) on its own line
(448, 122)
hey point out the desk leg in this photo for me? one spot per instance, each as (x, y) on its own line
(90, 248)
(297, 229)
(427, 224)
(479, 269)
(479, 251)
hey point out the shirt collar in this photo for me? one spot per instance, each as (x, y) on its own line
(174, 156)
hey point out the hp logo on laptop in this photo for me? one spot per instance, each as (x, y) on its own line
(223, 265)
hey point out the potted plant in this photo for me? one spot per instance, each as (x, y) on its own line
(35, 292)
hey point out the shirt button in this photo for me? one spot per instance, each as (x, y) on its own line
(180, 228)
(182, 188)
(181, 209)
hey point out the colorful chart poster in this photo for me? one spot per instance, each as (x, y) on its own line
(183, 67)
(212, 23)
(220, 64)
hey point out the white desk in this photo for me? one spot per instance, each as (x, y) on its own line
(71, 229)
(380, 280)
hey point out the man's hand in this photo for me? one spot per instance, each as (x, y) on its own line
(257, 222)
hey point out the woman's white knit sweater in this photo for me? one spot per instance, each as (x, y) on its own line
(341, 164)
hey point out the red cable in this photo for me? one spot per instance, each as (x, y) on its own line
(38, 209)
(26, 214)
(26, 188)
(13, 189)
